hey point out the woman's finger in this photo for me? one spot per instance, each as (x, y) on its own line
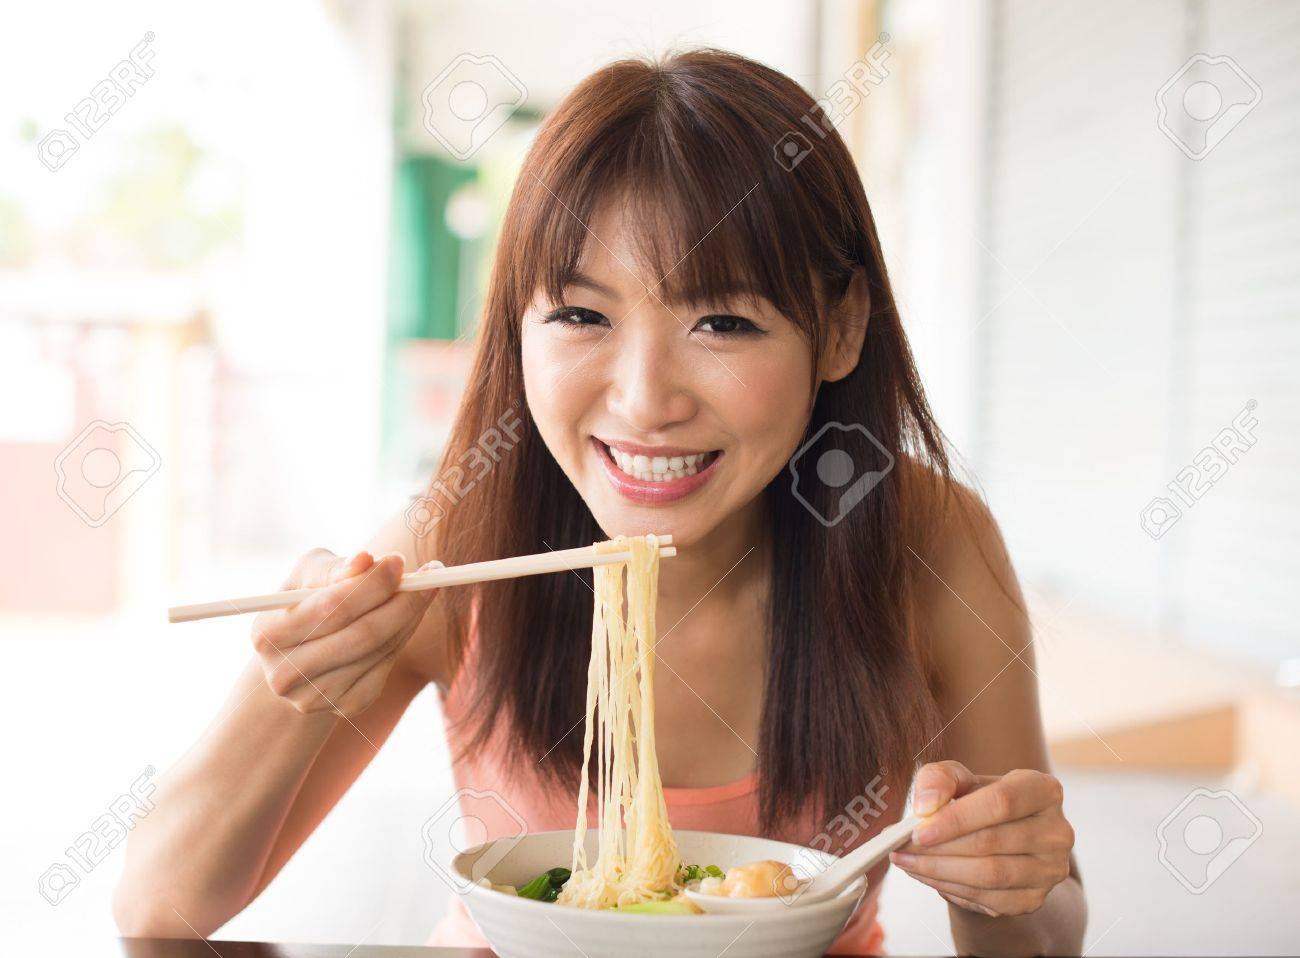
(377, 633)
(315, 674)
(396, 615)
(378, 629)
(1020, 901)
(366, 689)
(991, 871)
(338, 604)
(1015, 795)
(1043, 832)
(940, 782)
(970, 905)
(323, 691)
(339, 598)
(320, 567)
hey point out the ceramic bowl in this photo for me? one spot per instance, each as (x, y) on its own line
(523, 928)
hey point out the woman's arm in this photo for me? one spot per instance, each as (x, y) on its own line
(1000, 852)
(302, 722)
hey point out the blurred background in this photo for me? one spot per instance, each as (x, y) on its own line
(242, 254)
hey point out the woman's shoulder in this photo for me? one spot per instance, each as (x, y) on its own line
(940, 511)
(963, 566)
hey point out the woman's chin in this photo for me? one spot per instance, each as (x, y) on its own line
(681, 521)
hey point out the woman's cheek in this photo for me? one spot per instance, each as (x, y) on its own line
(559, 393)
(777, 402)
(541, 375)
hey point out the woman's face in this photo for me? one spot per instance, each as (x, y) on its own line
(666, 416)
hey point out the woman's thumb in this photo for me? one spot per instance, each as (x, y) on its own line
(937, 784)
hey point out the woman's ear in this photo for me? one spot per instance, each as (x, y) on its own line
(848, 329)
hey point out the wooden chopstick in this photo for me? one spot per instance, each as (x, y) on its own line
(583, 557)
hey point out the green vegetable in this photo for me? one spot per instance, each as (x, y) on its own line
(696, 872)
(539, 888)
(546, 886)
(660, 908)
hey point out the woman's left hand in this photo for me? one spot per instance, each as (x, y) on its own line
(997, 844)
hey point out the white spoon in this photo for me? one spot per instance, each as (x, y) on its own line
(826, 884)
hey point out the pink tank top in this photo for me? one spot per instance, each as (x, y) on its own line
(730, 809)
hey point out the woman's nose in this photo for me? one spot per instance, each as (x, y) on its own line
(649, 390)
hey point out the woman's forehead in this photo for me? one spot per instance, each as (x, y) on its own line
(624, 253)
(616, 245)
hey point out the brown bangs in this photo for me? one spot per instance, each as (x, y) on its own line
(693, 169)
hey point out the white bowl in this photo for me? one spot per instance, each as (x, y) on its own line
(523, 928)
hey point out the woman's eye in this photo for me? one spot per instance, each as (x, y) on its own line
(575, 316)
(726, 325)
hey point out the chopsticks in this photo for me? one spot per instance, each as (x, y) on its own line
(580, 558)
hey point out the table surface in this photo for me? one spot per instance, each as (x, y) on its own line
(191, 948)
(194, 948)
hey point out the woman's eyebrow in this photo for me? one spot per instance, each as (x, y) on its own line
(741, 293)
(584, 281)
(730, 295)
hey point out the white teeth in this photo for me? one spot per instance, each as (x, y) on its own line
(657, 468)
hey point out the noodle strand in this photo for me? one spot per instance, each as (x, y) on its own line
(636, 857)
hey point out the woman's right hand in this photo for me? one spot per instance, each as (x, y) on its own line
(334, 650)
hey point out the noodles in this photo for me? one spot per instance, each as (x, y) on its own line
(636, 858)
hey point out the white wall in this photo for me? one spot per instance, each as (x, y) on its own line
(1134, 302)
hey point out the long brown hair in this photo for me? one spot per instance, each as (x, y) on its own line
(689, 145)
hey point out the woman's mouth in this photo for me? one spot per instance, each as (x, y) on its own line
(660, 468)
(648, 474)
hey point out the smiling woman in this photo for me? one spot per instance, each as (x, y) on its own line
(672, 291)
(708, 343)
(704, 342)
(623, 367)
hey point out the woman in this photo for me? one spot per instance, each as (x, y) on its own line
(685, 332)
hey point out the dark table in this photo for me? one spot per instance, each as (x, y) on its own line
(193, 948)
(188, 948)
